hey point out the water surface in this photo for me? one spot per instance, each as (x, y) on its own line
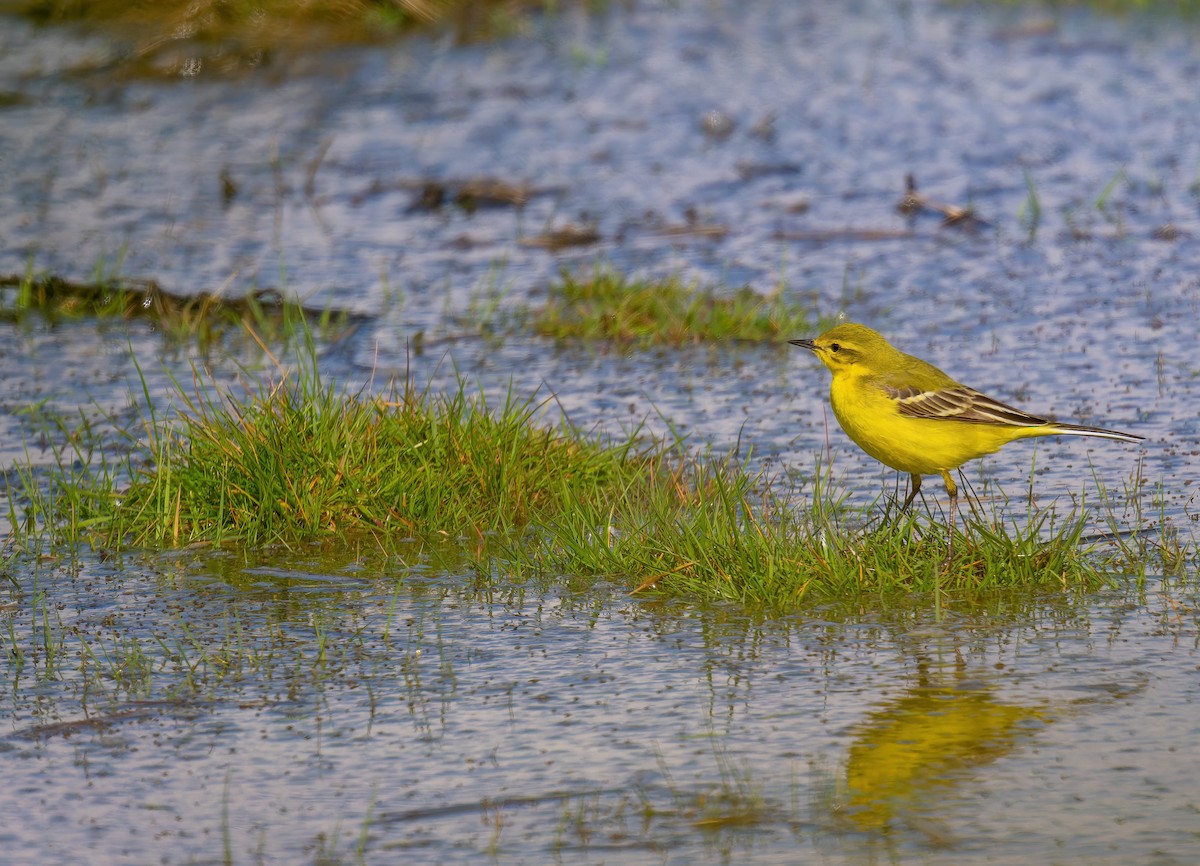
(307, 706)
(322, 706)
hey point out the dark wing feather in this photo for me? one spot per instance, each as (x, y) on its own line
(961, 404)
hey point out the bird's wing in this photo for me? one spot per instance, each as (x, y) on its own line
(960, 403)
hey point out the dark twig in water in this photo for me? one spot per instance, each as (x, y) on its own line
(567, 236)
(914, 203)
(846, 234)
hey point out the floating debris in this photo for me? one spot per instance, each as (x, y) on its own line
(914, 203)
(568, 236)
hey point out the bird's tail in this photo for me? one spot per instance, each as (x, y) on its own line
(1099, 432)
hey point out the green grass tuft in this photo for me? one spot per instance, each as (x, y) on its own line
(716, 533)
(302, 461)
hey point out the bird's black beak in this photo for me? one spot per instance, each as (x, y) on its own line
(804, 344)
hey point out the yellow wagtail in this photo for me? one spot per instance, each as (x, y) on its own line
(909, 415)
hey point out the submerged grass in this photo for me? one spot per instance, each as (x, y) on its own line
(300, 461)
(609, 306)
(1182, 8)
(202, 319)
(1124, 7)
(185, 38)
(606, 306)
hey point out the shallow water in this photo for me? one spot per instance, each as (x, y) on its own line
(302, 706)
(294, 707)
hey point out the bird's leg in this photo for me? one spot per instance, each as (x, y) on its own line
(914, 489)
(952, 489)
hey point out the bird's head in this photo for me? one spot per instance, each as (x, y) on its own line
(843, 347)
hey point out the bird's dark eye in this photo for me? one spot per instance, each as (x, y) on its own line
(835, 347)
